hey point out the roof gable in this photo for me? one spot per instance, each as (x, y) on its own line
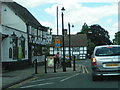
(24, 14)
(77, 40)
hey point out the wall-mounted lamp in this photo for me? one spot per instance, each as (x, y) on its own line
(13, 38)
(5, 9)
(22, 38)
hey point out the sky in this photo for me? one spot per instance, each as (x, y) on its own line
(77, 12)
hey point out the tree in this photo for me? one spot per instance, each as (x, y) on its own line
(116, 40)
(98, 35)
(85, 28)
(90, 47)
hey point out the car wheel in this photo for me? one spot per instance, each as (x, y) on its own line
(94, 78)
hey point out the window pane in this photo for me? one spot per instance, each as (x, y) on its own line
(85, 48)
(85, 52)
(81, 48)
(51, 52)
(81, 52)
(66, 48)
(66, 52)
(55, 52)
(10, 52)
(51, 48)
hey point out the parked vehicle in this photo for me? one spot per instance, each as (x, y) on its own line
(105, 61)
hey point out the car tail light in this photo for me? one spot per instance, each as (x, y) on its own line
(94, 61)
(109, 47)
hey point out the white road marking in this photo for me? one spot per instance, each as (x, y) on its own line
(37, 85)
(48, 79)
(83, 69)
(86, 69)
(69, 77)
(22, 83)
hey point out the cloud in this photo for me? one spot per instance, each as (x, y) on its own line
(108, 20)
(47, 24)
(78, 14)
(30, 3)
(34, 3)
(112, 30)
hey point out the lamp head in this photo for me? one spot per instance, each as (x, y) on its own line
(72, 25)
(63, 9)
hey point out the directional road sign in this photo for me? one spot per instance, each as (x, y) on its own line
(57, 42)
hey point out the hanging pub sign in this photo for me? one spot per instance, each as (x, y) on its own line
(19, 53)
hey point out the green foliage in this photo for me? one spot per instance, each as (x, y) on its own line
(85, 29)
(91, 46)
(98, 35)
(116, 40)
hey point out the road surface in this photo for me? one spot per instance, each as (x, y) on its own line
(81, 79)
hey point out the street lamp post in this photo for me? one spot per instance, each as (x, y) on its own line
(57, 16)
(57, 19)
(70, 43)
(57, 22)
(64, 64)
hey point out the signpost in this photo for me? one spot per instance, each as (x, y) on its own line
(57, 42)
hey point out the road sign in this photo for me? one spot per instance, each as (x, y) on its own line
(57, 42)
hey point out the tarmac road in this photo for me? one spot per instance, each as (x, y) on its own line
(73, 80)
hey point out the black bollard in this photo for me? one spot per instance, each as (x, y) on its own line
(74, 64)
(35, 61)
(45, 65)
(54, 65)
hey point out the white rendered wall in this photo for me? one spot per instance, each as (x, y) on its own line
(9, 18)
(0, 28)
(5, 49)
(6, 44)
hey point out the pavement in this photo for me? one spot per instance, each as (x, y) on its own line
(14, 77)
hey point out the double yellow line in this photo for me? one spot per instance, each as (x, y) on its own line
(84, 69)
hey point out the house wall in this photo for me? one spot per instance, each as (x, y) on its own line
(5, 49)
(0, 11)
(79, 52)
(6, 44)
(48, 38)
(11, 22)
(0, 41)
(39, 39)
(9, 18)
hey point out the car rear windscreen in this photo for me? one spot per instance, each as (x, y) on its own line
(108, 51)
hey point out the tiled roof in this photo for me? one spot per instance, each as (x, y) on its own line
(24, 14)
(77, 40)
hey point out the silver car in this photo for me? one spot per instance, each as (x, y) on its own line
(105, 61)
